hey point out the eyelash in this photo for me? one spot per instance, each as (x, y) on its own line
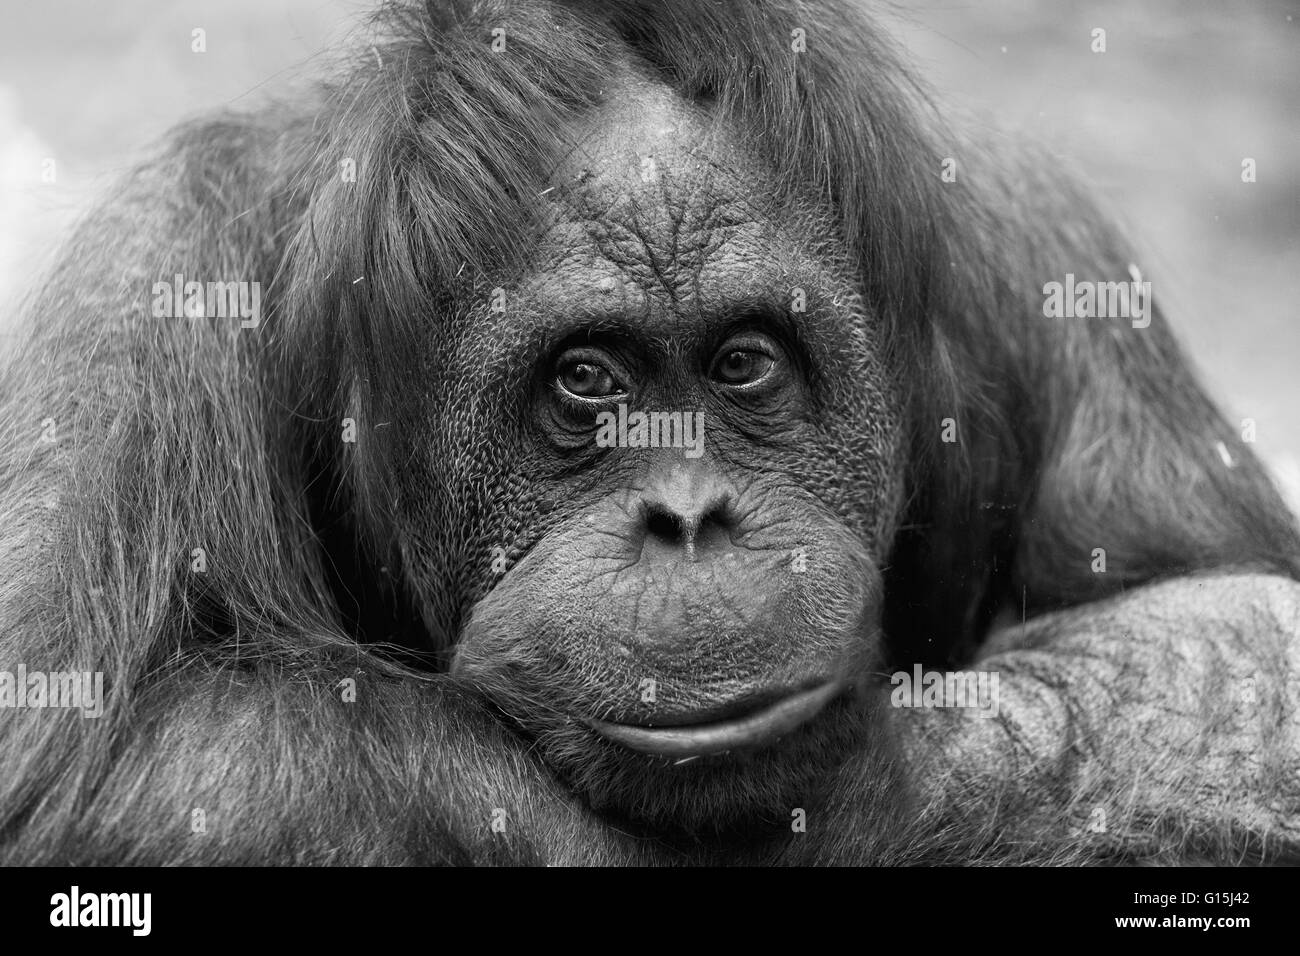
(577, 406)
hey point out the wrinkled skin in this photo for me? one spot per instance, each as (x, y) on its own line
(671, 569)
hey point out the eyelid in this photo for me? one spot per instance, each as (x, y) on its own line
(580, 407)
(749, 342)
(578, 354)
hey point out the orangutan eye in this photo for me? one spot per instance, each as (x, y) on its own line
(741, 366)
(584, 378)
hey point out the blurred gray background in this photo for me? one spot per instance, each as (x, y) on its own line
(1159, 123)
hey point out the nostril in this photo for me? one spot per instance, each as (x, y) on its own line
(663, 524)
(670, 527)
(686, 507)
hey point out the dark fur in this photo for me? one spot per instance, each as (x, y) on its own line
(178, 434)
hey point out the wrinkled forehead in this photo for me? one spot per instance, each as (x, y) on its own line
(660, 204)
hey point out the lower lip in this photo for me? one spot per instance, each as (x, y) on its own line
(699, 740)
